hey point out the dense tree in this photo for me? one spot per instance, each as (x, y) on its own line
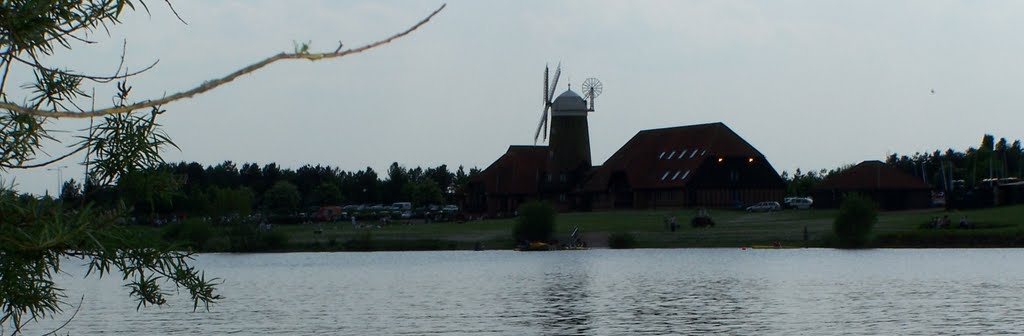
(282, 198)
(124, 150)
(855, 221)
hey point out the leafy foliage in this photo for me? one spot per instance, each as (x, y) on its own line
(37, 235)
(855, 221)
(621, 240)
(283, 197)
(536, 222)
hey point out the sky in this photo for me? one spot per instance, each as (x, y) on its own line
(811, 84)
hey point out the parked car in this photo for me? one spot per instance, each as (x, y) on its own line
(799, 202)
(765, 206)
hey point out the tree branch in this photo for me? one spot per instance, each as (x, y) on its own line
(210, 85)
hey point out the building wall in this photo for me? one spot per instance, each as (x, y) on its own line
(678, 198)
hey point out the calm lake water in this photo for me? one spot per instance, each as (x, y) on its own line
(597, 292)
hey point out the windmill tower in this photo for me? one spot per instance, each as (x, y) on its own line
(569, 137)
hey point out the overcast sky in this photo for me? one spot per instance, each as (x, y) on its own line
(811, 84)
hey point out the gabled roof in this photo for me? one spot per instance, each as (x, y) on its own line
(873, 175)
(669, 157)
(517, 171)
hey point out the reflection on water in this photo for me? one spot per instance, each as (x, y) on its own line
(598, 292)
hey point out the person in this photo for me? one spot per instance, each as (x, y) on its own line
(963, 222)
(672, 223)
(353, 220)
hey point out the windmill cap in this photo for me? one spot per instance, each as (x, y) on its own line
(568, 102)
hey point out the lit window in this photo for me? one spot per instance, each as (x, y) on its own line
(720, 160)
(676, 175)
(682, 154)
(750, 160)
(664, 176)
(685, 175)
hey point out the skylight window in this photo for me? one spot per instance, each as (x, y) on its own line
(664, 176)
(676, 175)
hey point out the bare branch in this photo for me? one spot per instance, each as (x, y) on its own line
(209, 85)
(35, 63)
(47, 163)
(175, 12)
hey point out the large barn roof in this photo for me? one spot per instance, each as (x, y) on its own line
(668, 157)
(873, 175)
(517, 171)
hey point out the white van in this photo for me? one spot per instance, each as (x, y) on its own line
(800, 203)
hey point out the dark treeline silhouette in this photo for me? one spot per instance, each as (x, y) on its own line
(948, 170)
(969, 169)
(227, 189)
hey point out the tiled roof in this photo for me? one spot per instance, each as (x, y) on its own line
(669, 157)
(873, 175)
(518, 171)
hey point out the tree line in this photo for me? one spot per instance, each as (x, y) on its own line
(943, 170)
(228, 189)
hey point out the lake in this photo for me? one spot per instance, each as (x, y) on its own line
(596, 292)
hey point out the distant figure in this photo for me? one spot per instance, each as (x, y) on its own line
(353, 220)
(933, 91)
(963, 222)
(945, 221)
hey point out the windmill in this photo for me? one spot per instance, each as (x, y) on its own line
(549, 93)
(591, 89)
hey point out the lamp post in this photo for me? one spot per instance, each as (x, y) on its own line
(60, 180)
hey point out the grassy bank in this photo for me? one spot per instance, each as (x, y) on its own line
(997, 227)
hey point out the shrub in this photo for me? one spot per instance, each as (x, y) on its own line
(536, 222)
(856, 219)
(621, 240)
(194, 232)
(274, 240)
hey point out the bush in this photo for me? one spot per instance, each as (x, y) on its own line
(194, 232)
(536, 222)
(274, 240)
(621, 240)
(856, 219)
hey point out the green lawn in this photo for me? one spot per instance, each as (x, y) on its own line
(995, 227)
